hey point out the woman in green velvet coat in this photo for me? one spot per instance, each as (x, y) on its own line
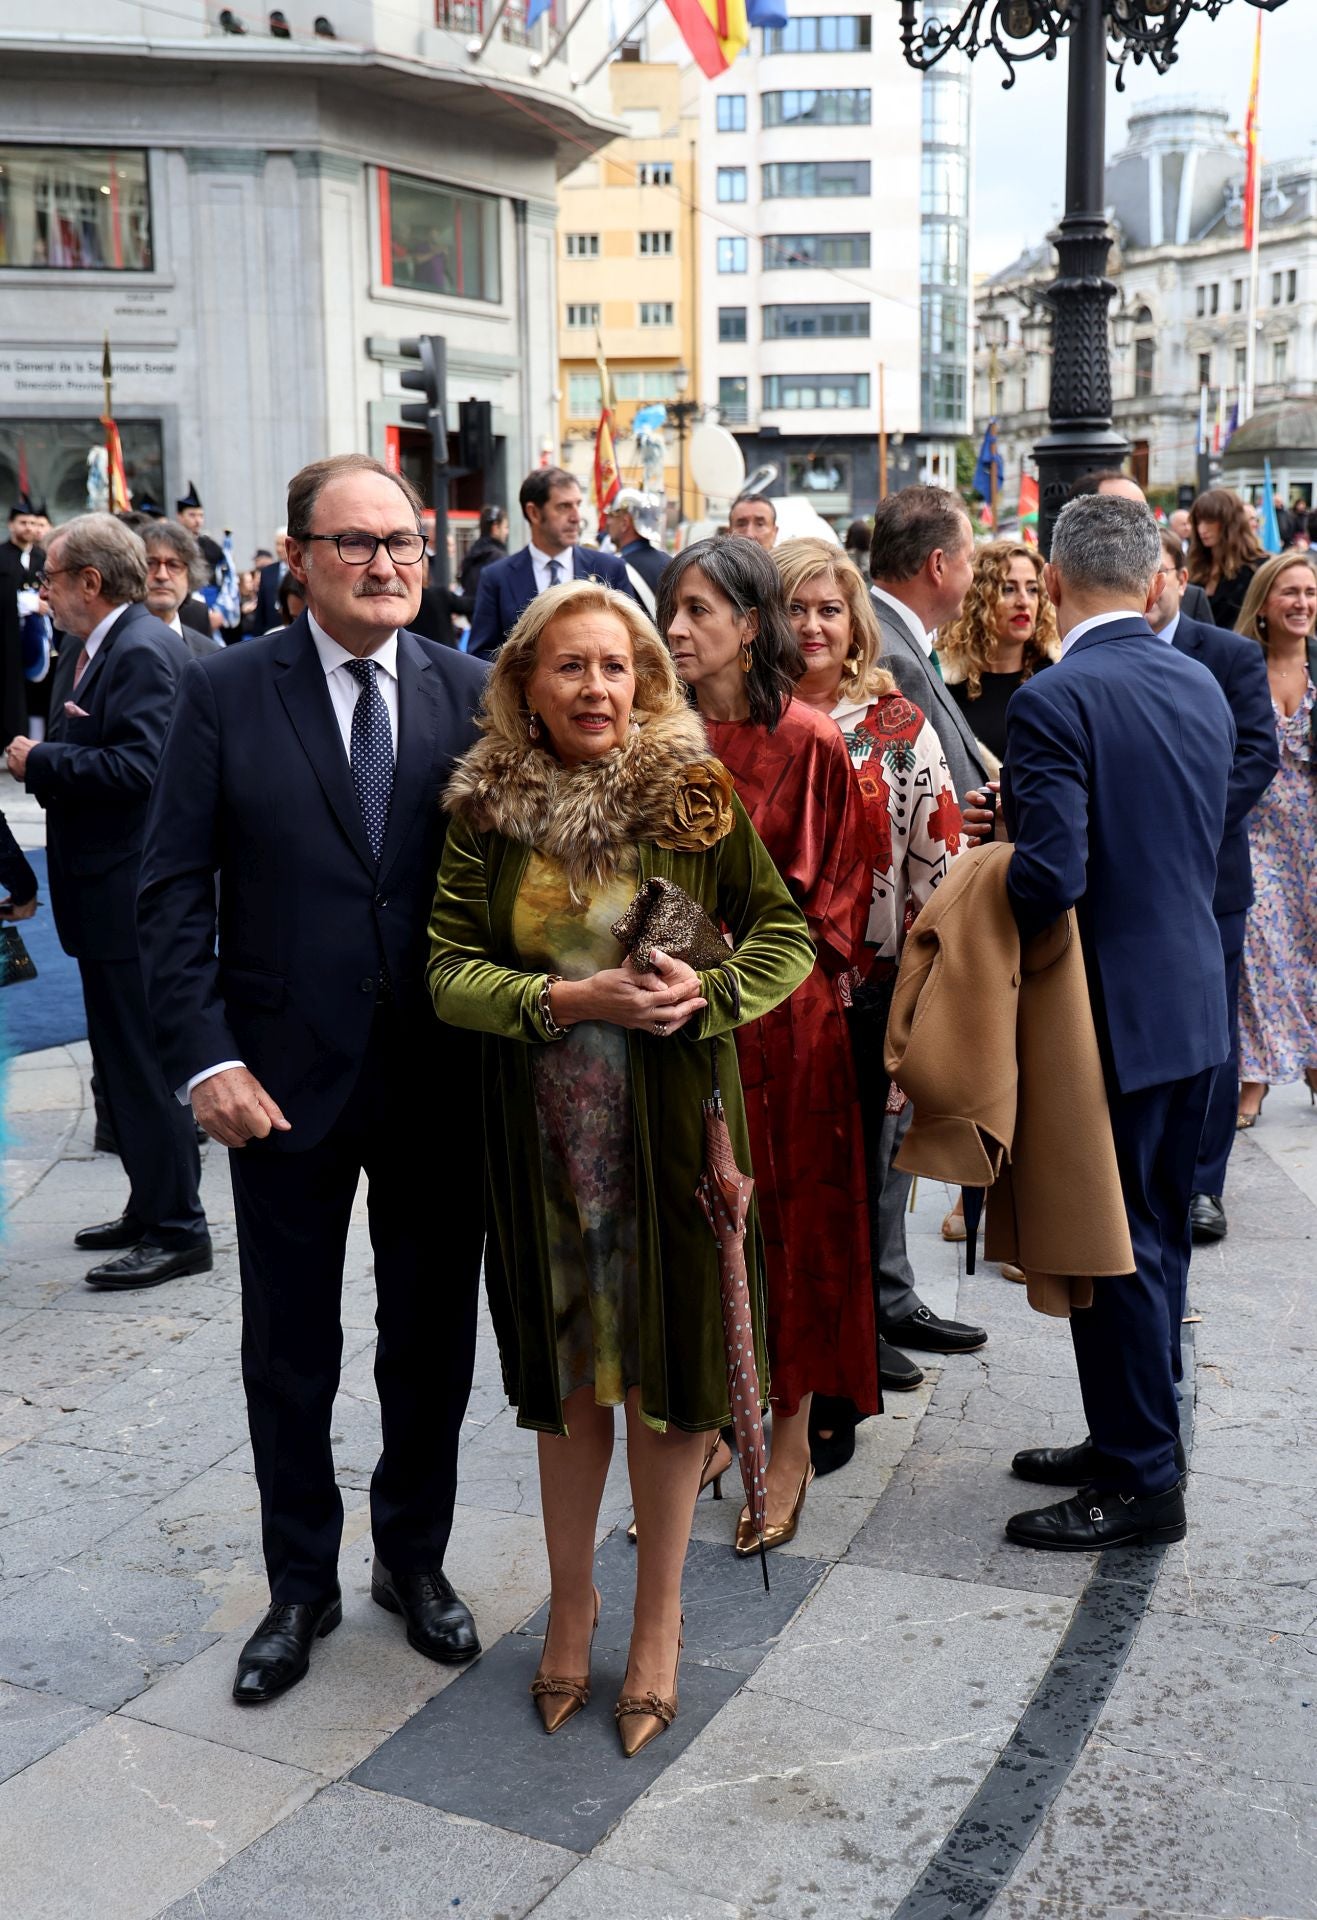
(593, 776)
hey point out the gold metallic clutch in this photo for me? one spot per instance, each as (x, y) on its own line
(663, 915)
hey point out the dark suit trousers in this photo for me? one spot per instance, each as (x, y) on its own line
(426, 1220)
(1127, 1344)
(1219, 1133)
(155, 1132)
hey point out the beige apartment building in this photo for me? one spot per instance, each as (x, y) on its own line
(627, 271)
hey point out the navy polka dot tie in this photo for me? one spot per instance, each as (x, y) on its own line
(371, 753)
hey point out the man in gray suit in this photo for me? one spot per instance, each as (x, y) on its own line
(921, 562)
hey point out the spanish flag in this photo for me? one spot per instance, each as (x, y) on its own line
(1252, 180)
(607, 481)
(119, 499)
(714, 30)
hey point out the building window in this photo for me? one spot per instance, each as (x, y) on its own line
(654, 173)
(656, 313)
(52, 453)
(1200, 306)
(1237, 296)
(1280, 361)
(583, 246)
(643, 383)
(733, 399)
(944, 184)
(1145, 367)
(946, 111)
(85, 209)
(943, 257)
(731, 113)
(733, 256)
(816, 473)
(1204, 369)
(788, 391)
(815, 179)
(1277, 281)
(1241, 365)
(731, 183)
(1214, 302)
(1292, 286)
(731, 323)
(583, 313)
(789, 250)
(831, 321)
(817, 107)
(943, 394)
(583, 395)
(654, 241)
(821, 33)
(437, 239)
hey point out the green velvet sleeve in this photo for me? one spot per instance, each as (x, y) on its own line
(468, 988)
(773, 951)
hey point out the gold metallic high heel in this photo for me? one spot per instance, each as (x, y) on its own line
(557, 1697)
(642, 1717)
(747, 1540)
(708, 1478)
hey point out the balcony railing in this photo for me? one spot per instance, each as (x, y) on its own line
(471, 18)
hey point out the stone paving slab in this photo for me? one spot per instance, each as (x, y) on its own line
(33, 1724)
(596, 1891)
(125, 1818)
(371, 1857)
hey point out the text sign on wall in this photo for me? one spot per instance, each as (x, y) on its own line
(37, 373)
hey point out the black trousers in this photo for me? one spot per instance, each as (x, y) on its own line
(1127, 1344)
(420, 1147)
(156, 1134)
(1219, 1133)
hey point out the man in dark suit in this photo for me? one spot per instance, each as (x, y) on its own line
(305, 771)
(921, 562)
(20, 562)
(551, 502)
(268, 578)
(1240, 670)
(93, 774)
(1118, 766)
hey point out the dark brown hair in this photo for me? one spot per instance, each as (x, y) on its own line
(910, 525)
(307, 485)
(744, 574)
(1238, 546)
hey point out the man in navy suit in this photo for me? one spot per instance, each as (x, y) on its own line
(1118, 767)
(305, 769)
(116, 683)
(551, 502)
(1240, 670)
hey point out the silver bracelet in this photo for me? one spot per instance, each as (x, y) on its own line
(551, 1027)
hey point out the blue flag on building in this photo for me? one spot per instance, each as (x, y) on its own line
(989, 459)
(1269, 530)
(534, 10)
(766, 13)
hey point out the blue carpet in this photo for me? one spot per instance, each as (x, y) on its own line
(47, 1011)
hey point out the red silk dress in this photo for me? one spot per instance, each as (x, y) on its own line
(798, 787)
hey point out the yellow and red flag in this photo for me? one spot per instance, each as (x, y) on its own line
(1252, 173)
(119, 500)
(714, 30)
(607, 480)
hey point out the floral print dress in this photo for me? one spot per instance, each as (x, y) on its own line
(1278, 972)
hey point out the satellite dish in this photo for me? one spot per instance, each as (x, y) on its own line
(717, 464)
(761, 479)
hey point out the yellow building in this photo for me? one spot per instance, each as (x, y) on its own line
(627, 265)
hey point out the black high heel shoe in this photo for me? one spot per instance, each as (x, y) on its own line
(835, 1449)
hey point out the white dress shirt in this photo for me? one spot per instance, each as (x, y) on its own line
(1097, 620)
(344, 692)
(914, 626)
(1167, 633)
(541, 562)
(91, 646)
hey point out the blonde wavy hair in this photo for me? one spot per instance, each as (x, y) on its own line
(801, 561)
(505, 710)
(970, 639)
(1251, 615)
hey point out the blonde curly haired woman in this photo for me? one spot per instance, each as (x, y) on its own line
(1006, 632)
(594, 775)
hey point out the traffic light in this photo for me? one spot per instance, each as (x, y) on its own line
(429, 378)
(475, 436)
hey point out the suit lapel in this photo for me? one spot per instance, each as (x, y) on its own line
(415, 779)
(300, 680)
(88, 681)
(937, 688)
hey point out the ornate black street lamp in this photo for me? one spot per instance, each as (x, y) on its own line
(1099, 32)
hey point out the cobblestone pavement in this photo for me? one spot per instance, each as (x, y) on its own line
(919, 1721)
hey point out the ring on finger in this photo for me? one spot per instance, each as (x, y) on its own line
(660, 1026)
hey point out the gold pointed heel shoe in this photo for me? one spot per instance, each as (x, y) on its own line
(747, 1540)
(642, 1717)
(710, 1475)
(557, 1698)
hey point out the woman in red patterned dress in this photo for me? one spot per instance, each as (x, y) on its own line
(722, 614)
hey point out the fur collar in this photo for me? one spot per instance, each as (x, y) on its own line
(583, 817)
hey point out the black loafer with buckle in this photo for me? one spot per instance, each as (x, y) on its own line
(1095, 1518)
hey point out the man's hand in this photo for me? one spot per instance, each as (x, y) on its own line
(982, 819)
(216, 618)
(234, 1108)
(8, 910)
(16, 755)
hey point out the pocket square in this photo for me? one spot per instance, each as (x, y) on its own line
(74, 711)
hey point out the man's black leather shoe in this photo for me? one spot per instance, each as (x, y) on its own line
(439, 1625)
(279, 1652)
(895, 1372)
(1073, 1466)
(147, 1266)
(1207, 1219)
(925, 1331)
(110, 1234)
(1094, 1518)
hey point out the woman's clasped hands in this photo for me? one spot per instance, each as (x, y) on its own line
(658, 1001)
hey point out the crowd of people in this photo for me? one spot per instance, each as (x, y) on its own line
(286, 946)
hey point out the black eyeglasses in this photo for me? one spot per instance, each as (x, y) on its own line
(359, 549)
(50, 573)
